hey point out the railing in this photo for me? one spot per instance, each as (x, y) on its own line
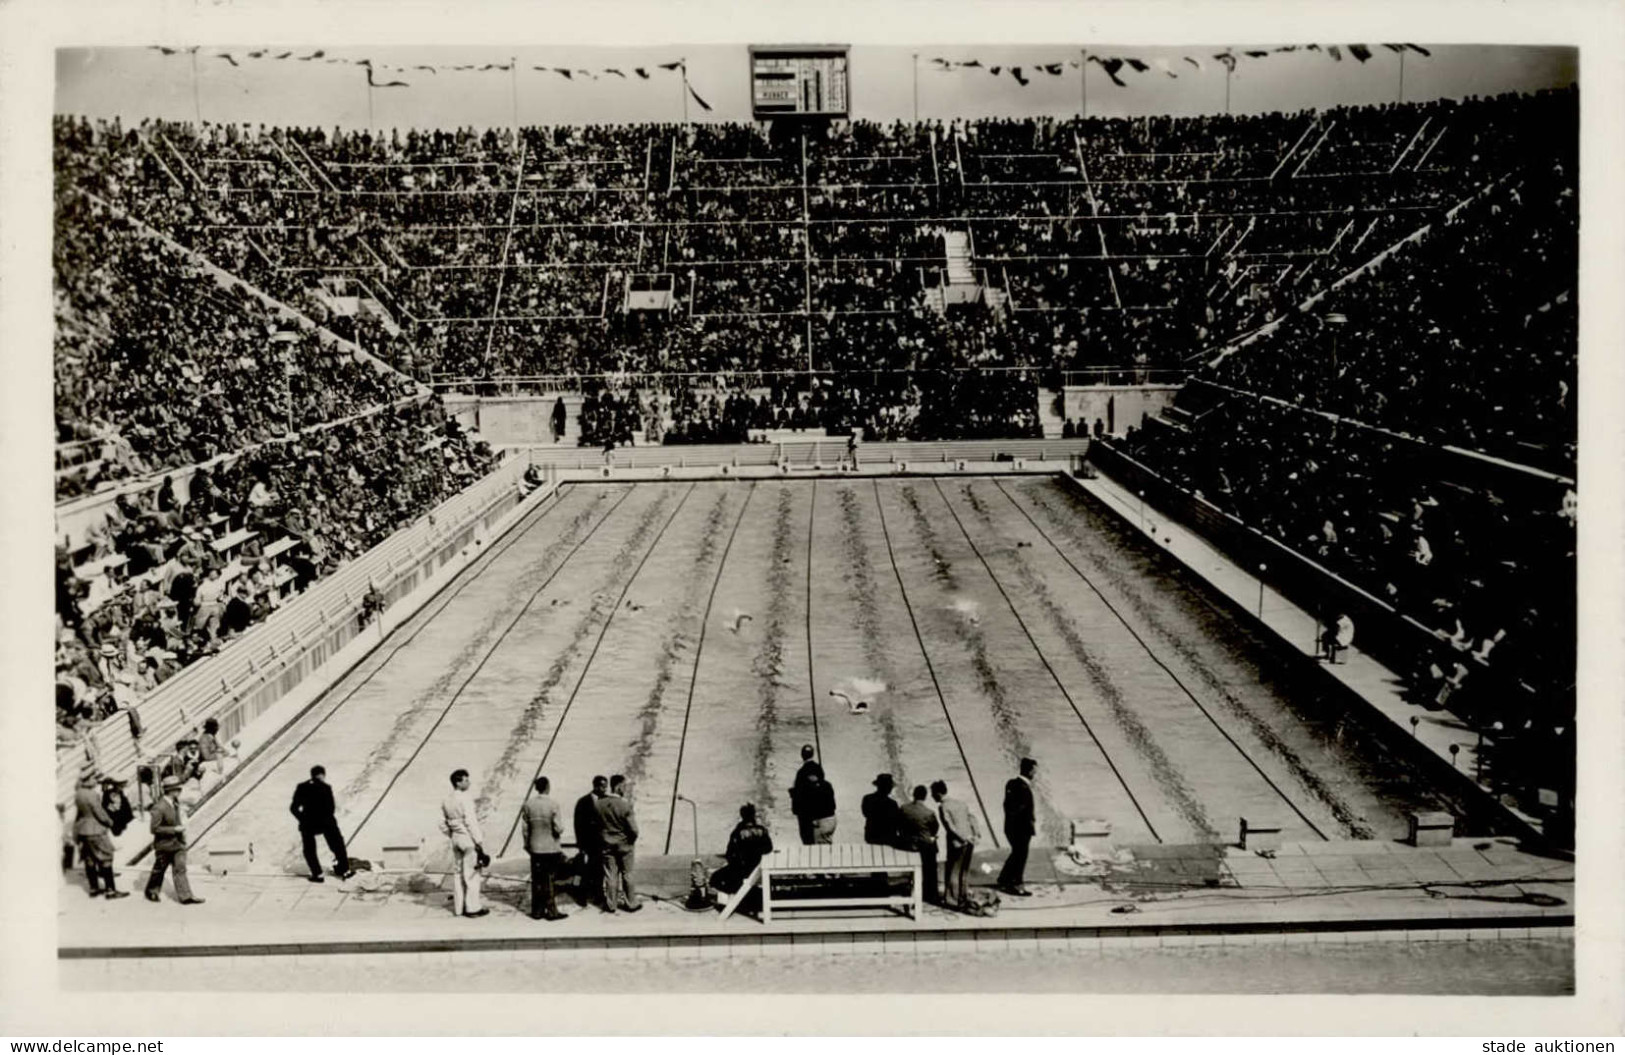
(530, 384)
(272, 659)
(808, 450)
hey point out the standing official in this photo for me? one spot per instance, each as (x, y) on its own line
(91, 832)
(809, 769)
(460, 822)
(1020, 825)
(620, 833)
(590, 841)
(316, 812)
(882, 817)
(917, 831)
(542, 830)
(168, 828)
(959, 823)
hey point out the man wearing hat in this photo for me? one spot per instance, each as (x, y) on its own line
(169, 845)
(90, 834)
(882, 816)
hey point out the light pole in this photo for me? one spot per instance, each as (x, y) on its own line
(1261, 568)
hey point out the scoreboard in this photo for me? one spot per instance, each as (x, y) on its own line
(809, 80)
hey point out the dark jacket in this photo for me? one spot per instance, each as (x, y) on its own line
(749, 843)
(168, 830)
(881, 818)
(1020, 819)
(313, 805)
(917, 827)
(816, 802)
(589, 829)
(808, 768)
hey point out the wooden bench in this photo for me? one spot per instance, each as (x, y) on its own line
(230, 545)
(829, 860)
(280, 546)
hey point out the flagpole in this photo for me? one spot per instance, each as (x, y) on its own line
(1229, 68)
(513, 64)
(916, 87)
(1401, 76)
(1083, 78)
(197, 107)
(684, 68)
(370, 123)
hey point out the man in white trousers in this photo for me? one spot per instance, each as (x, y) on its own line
(461, 824)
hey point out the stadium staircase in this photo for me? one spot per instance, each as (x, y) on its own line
(957, 250)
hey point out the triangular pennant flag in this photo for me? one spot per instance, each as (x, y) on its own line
(431, 69)
(1015, 71)
(566, 74)
(167, 51)
(1420, 50)
(942, 62)
(1360, 51)
(1331, 49)
(670, 65)
(363, 62)
(1194, 62)
(703, 104)
(1257, 54)
(284, 55)
(1111, 66)
(257, 54)
(488, 66)
(974, 63)
(641, 72)
(994, 70)
(1311, 47)
(1228, 59)
(1289, 47)
(617, 73)
(227, 56)
(1139, 67)
(385, 84)
(1395, 48)
(588, 73)
(1054, 69)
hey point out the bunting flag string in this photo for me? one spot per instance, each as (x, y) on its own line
(1113, 65)
(237, 59)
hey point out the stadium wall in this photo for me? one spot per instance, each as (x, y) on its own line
(1117, 405)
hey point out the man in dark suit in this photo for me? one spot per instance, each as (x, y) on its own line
(798, 789)
(168, 828)
(542, 830)
(1020, 825)
(881, 814)
(589, 840)
(315, 810)
(620, 833)
(917, 830)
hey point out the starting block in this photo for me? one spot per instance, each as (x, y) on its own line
(959, 465)
(604, 471)
(1260, 834)
(401, 853)
(1093, 836)
(227, 855)
(902, 467)
(1431, 829)
(1018, 464)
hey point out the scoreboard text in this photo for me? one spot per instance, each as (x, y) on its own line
(809, 80)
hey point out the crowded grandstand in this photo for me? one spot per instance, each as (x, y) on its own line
(1371, 311)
